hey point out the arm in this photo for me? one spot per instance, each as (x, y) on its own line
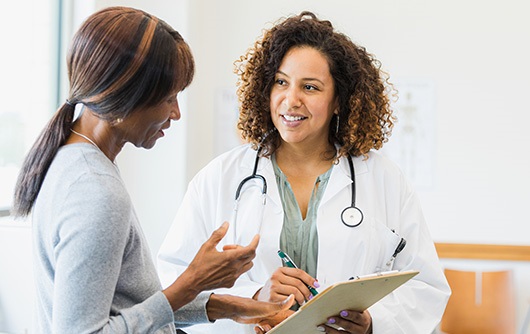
(89, 252)
(247, 310)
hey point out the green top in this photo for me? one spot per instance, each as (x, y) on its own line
(299, 238)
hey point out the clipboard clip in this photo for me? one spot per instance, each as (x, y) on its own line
(379, 273)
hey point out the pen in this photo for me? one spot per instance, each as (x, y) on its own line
(399, 248)
(289, 263)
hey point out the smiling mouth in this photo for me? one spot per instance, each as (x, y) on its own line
(290, 118)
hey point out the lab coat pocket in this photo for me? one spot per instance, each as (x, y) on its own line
(383, 242)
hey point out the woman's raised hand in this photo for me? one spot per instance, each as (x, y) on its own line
(211, 269)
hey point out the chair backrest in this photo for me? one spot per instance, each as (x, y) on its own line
(481, 302)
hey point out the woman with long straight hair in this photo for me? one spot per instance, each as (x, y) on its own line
(92, 265)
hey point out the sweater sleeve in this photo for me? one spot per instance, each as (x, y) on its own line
(93, 229)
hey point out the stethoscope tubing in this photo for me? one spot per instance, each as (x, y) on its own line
(351, 216)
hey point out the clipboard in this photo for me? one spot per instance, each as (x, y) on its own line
(357, 294)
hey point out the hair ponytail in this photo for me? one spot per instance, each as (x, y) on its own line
(39, 159)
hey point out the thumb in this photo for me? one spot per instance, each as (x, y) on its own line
(218, 234)
(254, 242)
(287, 302)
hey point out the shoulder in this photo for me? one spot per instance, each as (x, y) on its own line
(88, 181)
(374, 162)
(228, 163)
(381, 163)
(83, 198)
(379, 168)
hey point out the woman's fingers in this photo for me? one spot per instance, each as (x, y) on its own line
(350, 321)
(213, 269)
(284, 282)
(218, 235)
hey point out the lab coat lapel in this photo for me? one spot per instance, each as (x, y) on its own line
(339, 179)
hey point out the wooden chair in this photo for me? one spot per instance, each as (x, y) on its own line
(481, 302)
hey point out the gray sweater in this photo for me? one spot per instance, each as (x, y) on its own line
(93, 269)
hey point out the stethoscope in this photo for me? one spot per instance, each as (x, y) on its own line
(351, 216)
(239, 191)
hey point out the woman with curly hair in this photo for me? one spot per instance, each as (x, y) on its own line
(314, 108)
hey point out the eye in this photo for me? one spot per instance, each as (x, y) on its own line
(310, 87)
(280, 82)
(172, 99)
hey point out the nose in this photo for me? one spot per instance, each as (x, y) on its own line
(292, 98)
(175, 111)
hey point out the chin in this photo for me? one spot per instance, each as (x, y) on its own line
(149, 145)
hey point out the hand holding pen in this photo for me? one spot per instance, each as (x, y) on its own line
(285, 281)
(290, 263)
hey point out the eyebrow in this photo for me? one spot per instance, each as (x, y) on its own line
(306, 79)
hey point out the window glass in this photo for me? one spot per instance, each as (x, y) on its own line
(28, 84)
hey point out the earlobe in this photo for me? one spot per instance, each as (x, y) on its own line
(116, 121)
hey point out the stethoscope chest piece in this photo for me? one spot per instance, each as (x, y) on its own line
(352, 216)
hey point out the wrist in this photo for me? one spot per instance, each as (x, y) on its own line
(180, 293)
(220, 307)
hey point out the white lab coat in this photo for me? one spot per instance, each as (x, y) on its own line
(386, 200)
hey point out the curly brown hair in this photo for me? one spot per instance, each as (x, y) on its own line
(361, 87)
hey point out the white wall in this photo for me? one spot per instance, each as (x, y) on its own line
(17, 291)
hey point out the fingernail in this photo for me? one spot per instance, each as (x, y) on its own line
(310, 297)
(344, 313)
(316, 285)
(321, 329)
(331, 321)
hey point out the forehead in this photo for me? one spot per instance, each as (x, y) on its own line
(305, 61)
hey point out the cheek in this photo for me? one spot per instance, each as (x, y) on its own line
(275, 101)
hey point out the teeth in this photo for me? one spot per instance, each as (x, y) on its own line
(293, 118)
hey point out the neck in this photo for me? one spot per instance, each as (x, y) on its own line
(307, 158)
(91, 129)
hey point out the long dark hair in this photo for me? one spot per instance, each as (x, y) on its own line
(121, 60)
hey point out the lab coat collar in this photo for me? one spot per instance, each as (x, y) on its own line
(341, 178)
